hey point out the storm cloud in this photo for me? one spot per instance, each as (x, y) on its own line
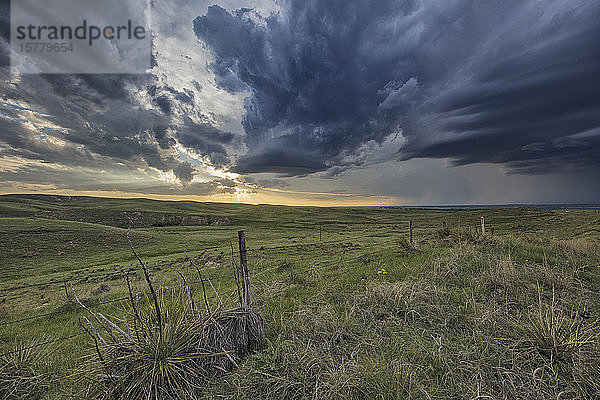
(106, 120)
(509, 82)
(393, 101)
(83, 120)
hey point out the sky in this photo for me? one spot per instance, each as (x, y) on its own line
(323, 102)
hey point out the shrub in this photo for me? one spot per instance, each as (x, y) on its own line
(173, 359)
(170, 350)
(555, 333)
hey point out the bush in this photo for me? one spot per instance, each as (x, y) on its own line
(170, 350)
(173, 359)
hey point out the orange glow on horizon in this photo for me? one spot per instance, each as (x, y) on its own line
(268, 196)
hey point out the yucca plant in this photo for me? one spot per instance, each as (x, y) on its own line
(23, 371)
(171, 360)
(167, 347)
(555, 333)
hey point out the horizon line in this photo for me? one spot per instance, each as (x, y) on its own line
(440, 205)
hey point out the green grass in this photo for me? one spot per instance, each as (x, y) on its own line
(457, 316)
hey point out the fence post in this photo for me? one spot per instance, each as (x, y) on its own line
(482, 225)
(410, 232)
(244, 269)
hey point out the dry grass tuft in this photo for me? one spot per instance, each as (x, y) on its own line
(502, 276)
(466, 235)
(555, 333)
(404, 244)
(408, 300)
(22, 372)
(402, 294)
(174, 360)
(552, 277)
(578, 247)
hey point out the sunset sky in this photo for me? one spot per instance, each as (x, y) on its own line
(324, 102)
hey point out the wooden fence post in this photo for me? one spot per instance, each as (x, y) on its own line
(410, 232)
(244, 270)
(320, 232)
(483, 225)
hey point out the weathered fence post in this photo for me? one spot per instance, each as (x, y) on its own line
(482, 225)
(320, 232)
(410, 232)
(244, 270)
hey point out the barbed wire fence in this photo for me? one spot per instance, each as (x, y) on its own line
(79, 277)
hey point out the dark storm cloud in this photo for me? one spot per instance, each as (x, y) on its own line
(207, 140)
(184, 171)
(95, 88)
(304, 108)
(164, 104)
(161, 134)
(106, 180)
(106, 121)
(524, 102)
(273, 183)
(102, 123)
(511, 82)
(97, 113)
(4, 33)
(288, 155)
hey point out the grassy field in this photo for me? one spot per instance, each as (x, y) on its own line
(352, 310)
